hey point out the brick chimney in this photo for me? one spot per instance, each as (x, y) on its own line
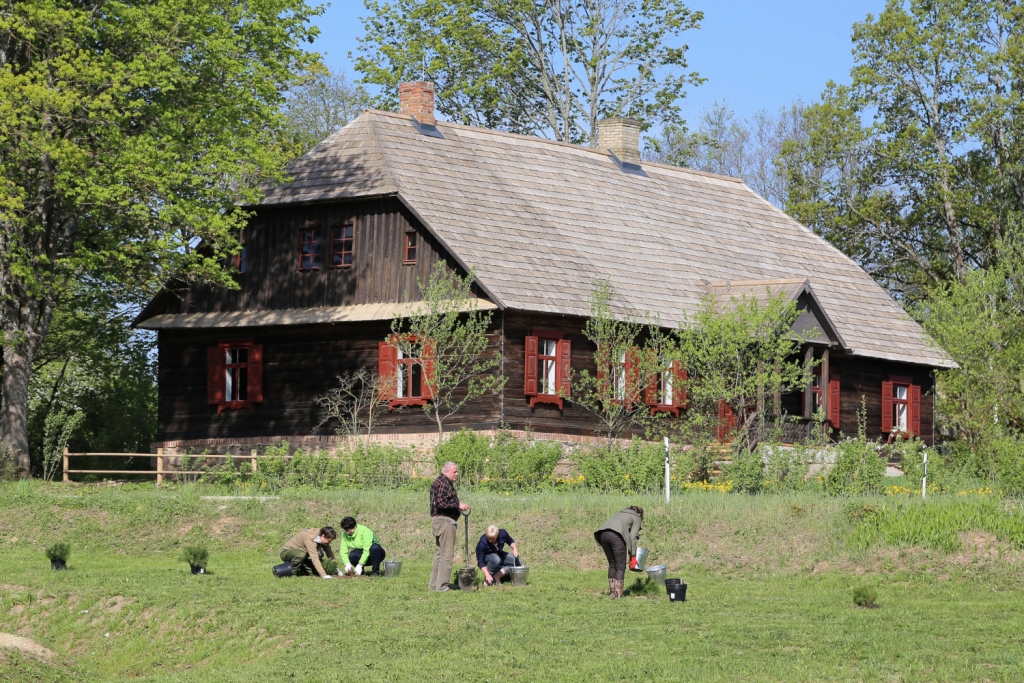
(416, 98)
(622, 136)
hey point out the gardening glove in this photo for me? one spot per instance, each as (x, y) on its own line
(359, 570)
(632, 564)
(348, 567)
(328, 576)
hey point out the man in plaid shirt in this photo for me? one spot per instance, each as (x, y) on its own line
(444, 513)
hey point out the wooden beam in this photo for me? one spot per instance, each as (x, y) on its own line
(159, 466)
(66, 479)
(824, 388)
(808, 392)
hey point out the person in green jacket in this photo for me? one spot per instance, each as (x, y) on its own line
(618, 538)
(360, 546)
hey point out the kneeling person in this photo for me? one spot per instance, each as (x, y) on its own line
(360, 547)
(305, 549)
(490, 554)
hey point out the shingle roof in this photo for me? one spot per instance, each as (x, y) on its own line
(541, 221)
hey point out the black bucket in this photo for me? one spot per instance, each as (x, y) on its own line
(196, 569)
(282, 570)
(676, 591)
(57, 565)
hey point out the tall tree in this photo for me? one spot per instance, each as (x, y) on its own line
(129, 132)
(914, 169)
(325, 101)
(549, 67)
(726, 145)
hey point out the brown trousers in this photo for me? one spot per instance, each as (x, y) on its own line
(444, 536)
(615, 550)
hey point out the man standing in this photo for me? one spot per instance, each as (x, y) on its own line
(444, 514)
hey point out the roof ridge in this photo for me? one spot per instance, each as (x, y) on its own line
(559, 143)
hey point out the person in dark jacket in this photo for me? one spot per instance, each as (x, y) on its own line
(445, 508)
(491, 554)
(618, 538)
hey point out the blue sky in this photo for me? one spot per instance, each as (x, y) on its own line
(755, 55)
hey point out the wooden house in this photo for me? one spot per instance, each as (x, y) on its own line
(332, 256)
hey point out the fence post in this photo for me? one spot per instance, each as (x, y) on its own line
(159, 466)
(66, 464)
(253, 454)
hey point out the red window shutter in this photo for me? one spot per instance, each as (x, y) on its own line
(387, 359)
(833, 400)
(886, 407)
(215, 375)
(530, 370)
(563, 371)
(429, 369)
(651, 383)
(255, 372)
(679, 385)
(915, 409)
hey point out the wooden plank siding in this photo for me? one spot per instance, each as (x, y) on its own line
(302, 362)
(273, 280)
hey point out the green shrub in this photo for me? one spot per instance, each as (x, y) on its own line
(467, 449)
(785, 468)
(58, 552)
(196, 555)
(865, 596)
(911, 452)
(1009, 463)
(858, 469)
(746, 472)
(638, 467)
(330, 566)
(366, 466)
(506, 464)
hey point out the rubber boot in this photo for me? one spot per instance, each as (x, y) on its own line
(614, 588)
(619, 586)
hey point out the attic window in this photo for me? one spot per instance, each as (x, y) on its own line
(342, 239)
(411, 241)
(310, 248)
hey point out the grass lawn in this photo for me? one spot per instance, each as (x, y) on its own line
(130, 609)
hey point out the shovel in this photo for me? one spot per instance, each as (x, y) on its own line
(467, 575)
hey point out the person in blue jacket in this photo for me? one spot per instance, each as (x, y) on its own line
(491, 554)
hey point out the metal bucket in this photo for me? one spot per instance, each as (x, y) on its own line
(467, 578)
(641, 558)
(519, 575)
(657, 574)
(392, 569)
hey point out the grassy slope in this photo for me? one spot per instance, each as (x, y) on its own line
(760, 605)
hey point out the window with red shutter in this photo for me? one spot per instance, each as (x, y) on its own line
(901, 407)
(234, 375)
(412, 374)
(834, 396)
(666, 391)
(546, 369)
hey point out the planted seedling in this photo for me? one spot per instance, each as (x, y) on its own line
(330, 566)
(197, 557)
(866, 597)
(58, 554)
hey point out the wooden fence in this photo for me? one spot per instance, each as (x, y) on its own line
(161, 459)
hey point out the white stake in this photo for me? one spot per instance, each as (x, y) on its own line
(668, 479)
(924, 479)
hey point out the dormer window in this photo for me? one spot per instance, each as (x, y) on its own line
(310, 248)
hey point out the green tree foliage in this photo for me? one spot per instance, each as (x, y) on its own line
(740, 352)
(551, 67)
(129, 132)
(914, 168)
(449, 335)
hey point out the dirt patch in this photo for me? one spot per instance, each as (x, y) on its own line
(26, 645)
(116, 604)
(226, 526)
(12, 588)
